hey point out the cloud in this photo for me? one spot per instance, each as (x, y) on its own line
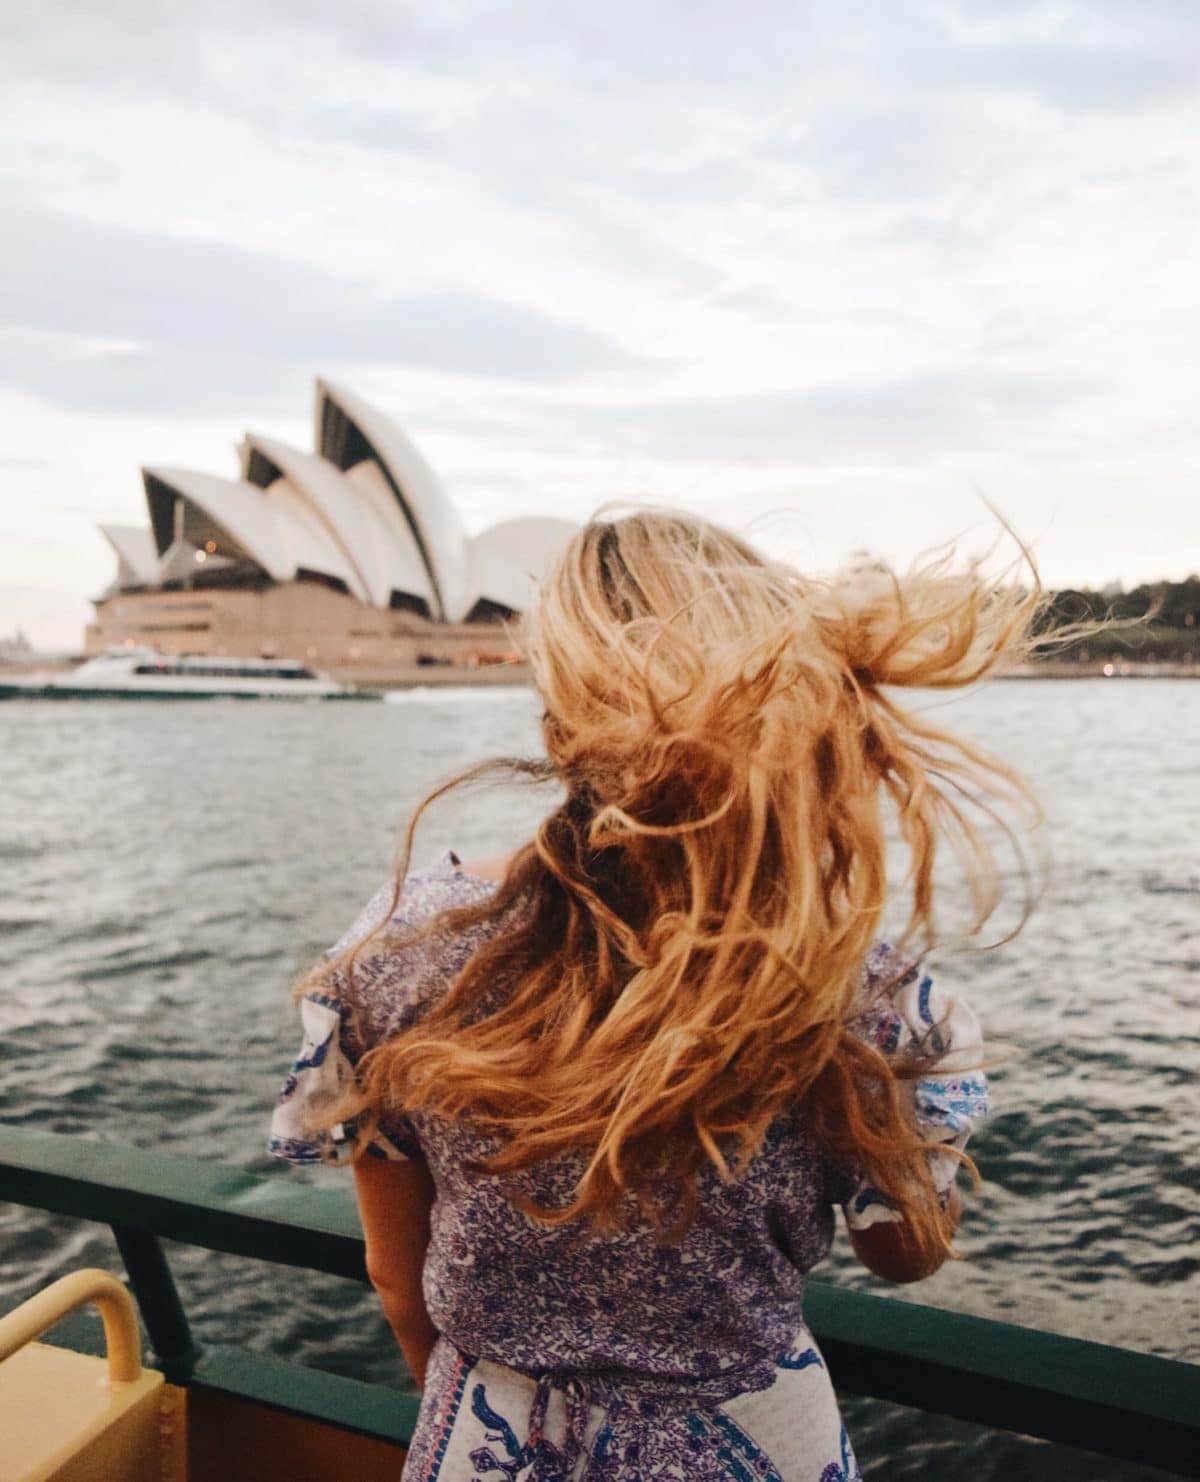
(107, 318)
(1114, 75)
(891, 149)
(1089, 53)
(601, 169)
(156, 380)
(921, 416)
(600, 43)
(586, 240)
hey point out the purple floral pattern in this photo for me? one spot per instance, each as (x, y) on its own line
(608, 1329)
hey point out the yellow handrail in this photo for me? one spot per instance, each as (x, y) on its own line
(122, 1335)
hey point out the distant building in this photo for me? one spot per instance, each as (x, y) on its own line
(351, 557)
(17, 649)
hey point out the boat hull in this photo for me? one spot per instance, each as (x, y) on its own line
(96, 692)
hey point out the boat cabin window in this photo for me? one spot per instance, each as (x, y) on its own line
(225, 671)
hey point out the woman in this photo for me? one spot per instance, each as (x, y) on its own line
(602, 1095)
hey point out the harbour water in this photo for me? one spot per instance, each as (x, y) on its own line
(166, 870)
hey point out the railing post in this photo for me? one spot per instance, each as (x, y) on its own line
(158, 1298)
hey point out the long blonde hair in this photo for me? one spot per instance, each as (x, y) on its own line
(684, 937)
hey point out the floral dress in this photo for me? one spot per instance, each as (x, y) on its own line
(615, 1358)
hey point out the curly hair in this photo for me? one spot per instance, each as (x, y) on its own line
(682, 944)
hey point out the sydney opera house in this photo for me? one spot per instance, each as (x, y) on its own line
(351, 558)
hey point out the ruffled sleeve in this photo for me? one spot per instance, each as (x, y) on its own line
(907, 1014)
(325, 1069)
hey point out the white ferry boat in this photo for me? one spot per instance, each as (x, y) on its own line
(145, 673)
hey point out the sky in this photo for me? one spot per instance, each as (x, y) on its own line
(843, 276)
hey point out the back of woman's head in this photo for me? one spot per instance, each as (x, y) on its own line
(697, 692)
(685, 935)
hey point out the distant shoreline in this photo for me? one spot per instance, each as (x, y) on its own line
(493, 676)
(1122, 669)
(510, 675)
(517, 675)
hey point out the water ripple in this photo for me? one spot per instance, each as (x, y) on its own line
(160, 897)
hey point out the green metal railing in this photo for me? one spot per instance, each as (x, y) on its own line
(1120, 1404)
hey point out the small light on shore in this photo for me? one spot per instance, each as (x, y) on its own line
(201, 555)
(1109, 671)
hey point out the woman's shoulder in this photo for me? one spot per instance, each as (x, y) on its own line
(424, 894)
(400, 965)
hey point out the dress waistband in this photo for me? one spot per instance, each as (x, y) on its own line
(630, 1408)
(547, 1465)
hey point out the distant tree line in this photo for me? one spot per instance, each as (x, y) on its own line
(1158, 622)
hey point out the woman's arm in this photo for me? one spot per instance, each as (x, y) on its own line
(394, 1200)
(887, 1250)
(905, 1011)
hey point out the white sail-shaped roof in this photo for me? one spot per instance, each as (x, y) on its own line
(349, 431)
(237, 510)
(377, 547)
(507, 561)
(365, 513)
(309, 543)
(137, 555)
(406, 569)
(240, 521)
